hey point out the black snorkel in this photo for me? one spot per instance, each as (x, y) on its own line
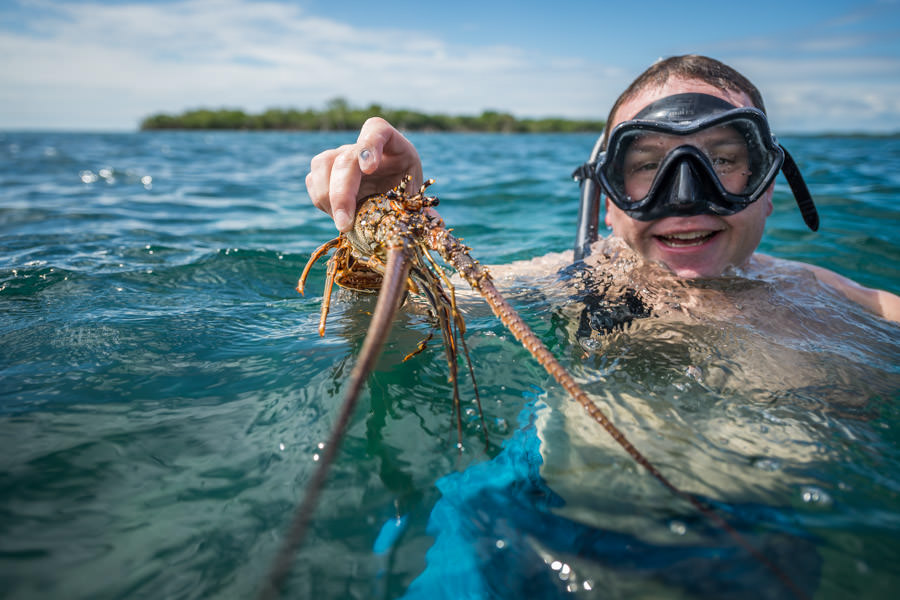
(681, 114)
(589, 208)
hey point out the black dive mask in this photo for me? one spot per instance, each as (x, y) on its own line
(684, 155)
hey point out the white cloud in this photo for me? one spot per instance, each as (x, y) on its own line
(93, 66)
(816, 94)
(108, 66)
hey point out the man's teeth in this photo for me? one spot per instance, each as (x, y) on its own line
(688, 236)
(693, 238)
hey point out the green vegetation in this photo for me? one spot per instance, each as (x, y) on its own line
(338, 115)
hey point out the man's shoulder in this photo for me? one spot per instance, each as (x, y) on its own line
(539, 266)
(880, 302)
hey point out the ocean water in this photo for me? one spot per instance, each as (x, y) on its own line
(164, 393)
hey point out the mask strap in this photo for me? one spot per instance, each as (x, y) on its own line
(801, 192)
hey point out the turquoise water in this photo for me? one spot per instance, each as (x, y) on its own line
(163, 390)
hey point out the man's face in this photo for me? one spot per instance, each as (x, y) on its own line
(699, 245)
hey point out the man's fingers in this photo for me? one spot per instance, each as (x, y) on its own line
(389, 155)
(344, 187)
(318, 177)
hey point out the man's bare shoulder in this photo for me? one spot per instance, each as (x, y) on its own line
(882, 303)
(608, 255)
(539, 266)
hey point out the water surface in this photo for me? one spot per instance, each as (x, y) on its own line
(163, 390)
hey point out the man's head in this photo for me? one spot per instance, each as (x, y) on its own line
(699, 245)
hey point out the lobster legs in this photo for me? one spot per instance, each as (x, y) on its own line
(345, 269)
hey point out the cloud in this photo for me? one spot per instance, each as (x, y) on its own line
(107, 66)
(838, 74)
(96, 66)
(827, 94)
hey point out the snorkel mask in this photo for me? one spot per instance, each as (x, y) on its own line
(684, 155)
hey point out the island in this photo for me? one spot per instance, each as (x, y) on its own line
(338, 115)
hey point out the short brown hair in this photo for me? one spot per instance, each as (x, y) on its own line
(688, 66)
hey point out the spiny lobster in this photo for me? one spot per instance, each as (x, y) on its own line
(389, 248)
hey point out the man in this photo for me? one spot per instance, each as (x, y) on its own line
(703, 238)
(687, 169)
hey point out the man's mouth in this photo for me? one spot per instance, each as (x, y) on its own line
(686, 240)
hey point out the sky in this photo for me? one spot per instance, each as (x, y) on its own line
(103, 65)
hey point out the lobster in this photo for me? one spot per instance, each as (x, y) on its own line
(390, 248)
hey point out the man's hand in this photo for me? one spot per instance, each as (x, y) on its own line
(378, 160)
